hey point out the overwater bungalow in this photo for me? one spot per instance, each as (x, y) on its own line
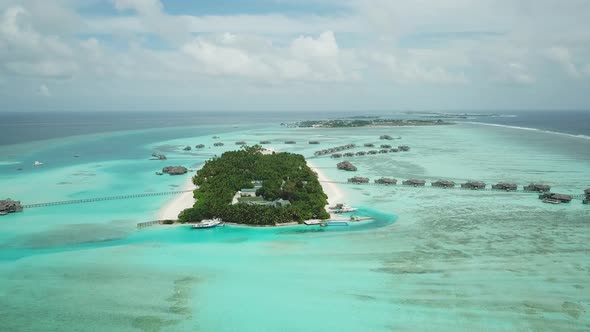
(587, 192)
(414, 182)
(174, 170)
(383, 151)
(403, 148)
(187, 148)
(443, 184)
(349, 154)
(264, 142)
(218, 144)
(358, 179)
(474, 185)
(385, 146)
(159, 156)
(361, 153)
(537, 187)
(346, 166)
(337, 155)
(199, 146)
(372, 152)
(386, 181)
(9, 206)
(215, 137)
(290, 142)
(387, 137)
(505, 186)
(561, 198)
(394, 150)
(314, 142)
(241, 143)
(369, 145)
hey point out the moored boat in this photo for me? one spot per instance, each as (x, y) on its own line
(208, 223)
(37, 163)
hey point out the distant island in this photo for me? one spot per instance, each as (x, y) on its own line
(249, 187)
(368, 122)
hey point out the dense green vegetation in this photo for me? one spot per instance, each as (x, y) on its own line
(283, 175)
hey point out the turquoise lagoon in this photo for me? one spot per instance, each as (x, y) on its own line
(432, 259)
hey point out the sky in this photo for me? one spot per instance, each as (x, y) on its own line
(290, 55)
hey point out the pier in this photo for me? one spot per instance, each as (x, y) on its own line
(574, 196)
(108, 198)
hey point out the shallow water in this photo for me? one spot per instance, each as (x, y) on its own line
(432, 259)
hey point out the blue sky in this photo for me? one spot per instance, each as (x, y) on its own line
(288, 55)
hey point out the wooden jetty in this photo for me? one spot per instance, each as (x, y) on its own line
(149, 223)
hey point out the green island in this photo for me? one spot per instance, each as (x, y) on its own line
(366, 122)
(249, 187)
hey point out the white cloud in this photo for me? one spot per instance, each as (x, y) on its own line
(44, 90)
(562, 56)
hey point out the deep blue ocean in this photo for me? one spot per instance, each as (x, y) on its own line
(25, 127)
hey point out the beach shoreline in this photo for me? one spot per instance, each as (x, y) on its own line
(172, 209)
(334, 193)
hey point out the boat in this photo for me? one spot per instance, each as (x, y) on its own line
(551, 201)
(37, 163)
(159, 173)
(207, 223)
(342, 208)
(3, 213)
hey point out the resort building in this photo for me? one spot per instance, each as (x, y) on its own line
(537, 187)
(264, 142)
(346, 166)
(505, 186)
(369, 145)
(358, 179)
(394, 150)
(361, 153)
(387, 137)
(403, 148)
(337, 155)
(290, 142)
(443, 184)
(386, 181)
(385, 146)
(187, 148)
(349, 154)
(8, 206)
(218, 144)
(555, 198)
(241, 143)
(475, 185)
(414, 182)
(372, 152)
(199, 146)
(314, 142)
(383, 151)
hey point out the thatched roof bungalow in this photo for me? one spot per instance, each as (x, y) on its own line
(346, 166)
(587, 192)
(199, 146)
(218, 144)
(475, 185)
(386, 181)
(349, 154)
(414, 182)
(558, 197)
(358, 179)
(241, 143)
(403, 148)
(361, 153)
(387, 137)
(369, 145)
(394, 150)
(383, 151)
(174, 170)
(9, 206)
(385, 146)
(505, 186)
(314, 142)
(337, 155)
(372, 152)
(264, 142)
(290, 142)
(187, 148)
(443, 184)
(537, 187)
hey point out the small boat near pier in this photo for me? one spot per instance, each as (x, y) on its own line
(208, 223)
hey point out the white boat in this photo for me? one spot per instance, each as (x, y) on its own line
(208, 223)
(342, 208)
(37, 163)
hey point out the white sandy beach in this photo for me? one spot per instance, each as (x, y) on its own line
(179, 203)
(335, 194)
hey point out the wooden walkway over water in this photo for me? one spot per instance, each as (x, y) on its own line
(458, 187)
(108, 198)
